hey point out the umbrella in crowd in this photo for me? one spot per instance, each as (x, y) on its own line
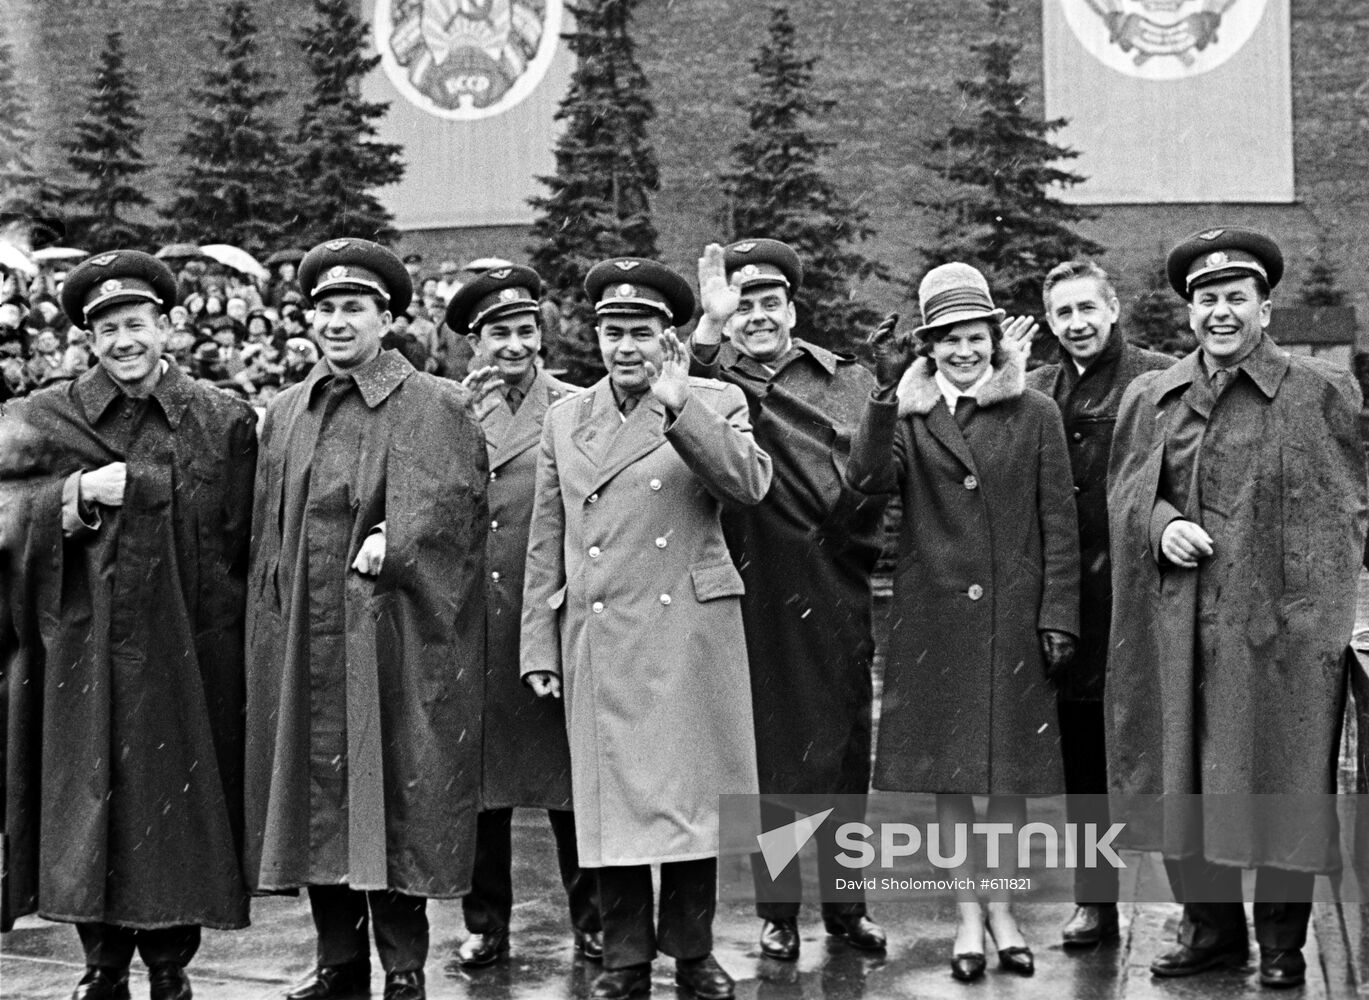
(180, 251)
(48, 254)
(14, 259)
(293, 255)
(236, 258)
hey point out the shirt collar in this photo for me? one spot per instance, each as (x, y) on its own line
(376, 379)
(951, 394)
(523, 385)
(1265, 365)
(172, 392)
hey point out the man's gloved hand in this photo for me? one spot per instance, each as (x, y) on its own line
(892, 353)
(1058, 649)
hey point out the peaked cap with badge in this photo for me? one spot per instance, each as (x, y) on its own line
(499, 292)
(1225, 252)
(632, 286)
(116, 277)
(350, 264)
(763, 262)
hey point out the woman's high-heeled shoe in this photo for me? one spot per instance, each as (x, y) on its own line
(1018, 958)
(967, 966)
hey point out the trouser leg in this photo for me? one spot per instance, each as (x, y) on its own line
(489, 904)
(168, 945)
(625, 905)
(401, 929)
(582, 887)
(1211, 894)
(689, 898)
(1283, 906)
(776, 898)
(107, 946)
(340, 920)
(848, 809)
(1086, 785)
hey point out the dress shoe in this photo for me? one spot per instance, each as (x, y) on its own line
(968, 966)
(102, 984)
(1281, 967)
(590, 944)
(483, 949)
(1016, 958)
(858, 930)
(780, 939)
(405, 985)
(335, 982)
(619, 984)
(704, 977)
(1186, 961)
(1091, 925)
(168, 982)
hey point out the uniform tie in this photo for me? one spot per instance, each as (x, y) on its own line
(514, 396)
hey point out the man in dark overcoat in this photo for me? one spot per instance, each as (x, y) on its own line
(125, 498)
(1096, 366)
(1237, 508)
(806, 553)
(366, 635)
(526, 760)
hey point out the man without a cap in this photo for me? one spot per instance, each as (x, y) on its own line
(1237, 509)
(806, 553)
(631, 611)
(125, 498)
(366, 635)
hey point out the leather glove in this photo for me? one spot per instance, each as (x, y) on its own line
(892, 353)
(1058, 650)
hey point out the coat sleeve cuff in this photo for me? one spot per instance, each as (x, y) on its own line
(1163, 514)
(77, 518)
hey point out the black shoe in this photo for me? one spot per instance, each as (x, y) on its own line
(967, 966)
(483, 949)
(102, 984)
(858, 930)
(1091, 925)
(405, 985)
(168, 982)
(619, 984)
(1186, 961)
(1280, 967)
(780, 939)
(335, 982)
(590, 944)
(704, 977)
(1017, 959)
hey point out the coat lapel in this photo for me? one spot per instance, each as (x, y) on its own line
(942, 426)
(642, 433)
(596, 420)
(509, 434)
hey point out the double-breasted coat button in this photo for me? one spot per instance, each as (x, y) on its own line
(665, 598)
(495, 576)
(1078, 436)
(494, 525)
(971, 483)
(494, 476)
(594, 552)
(655, 484)
(975, 592)
(597, 607)
(593, 498)
(660, 543)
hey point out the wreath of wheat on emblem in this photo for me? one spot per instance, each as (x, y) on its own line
(1151, 29)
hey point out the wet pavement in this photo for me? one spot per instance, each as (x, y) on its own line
(42, 961)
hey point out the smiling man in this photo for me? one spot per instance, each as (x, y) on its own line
(367, 635)
(124, 504)
(526, 762)
(1096, 366)
(1237, 509)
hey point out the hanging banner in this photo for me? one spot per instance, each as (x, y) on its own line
(473, 88)
(1172, 100)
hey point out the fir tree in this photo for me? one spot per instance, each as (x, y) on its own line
(230, 191)
(598, 201)
(24, 191)
(777, 189)
(105, 155)
(338, 162)
(1156, 319)
(999, 213)
(1321, 288)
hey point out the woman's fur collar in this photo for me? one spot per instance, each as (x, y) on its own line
(919, 393)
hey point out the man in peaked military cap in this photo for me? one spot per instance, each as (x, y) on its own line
(1237, 508)
(806, 554)
(631, 608)
(526, 761)
(367, 634)
(124, 505)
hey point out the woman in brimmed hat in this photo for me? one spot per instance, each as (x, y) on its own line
(985, 602)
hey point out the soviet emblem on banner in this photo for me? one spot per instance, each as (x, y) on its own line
(466, 59)
(1163, 39)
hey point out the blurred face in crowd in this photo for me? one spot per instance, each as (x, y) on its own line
(429, 291)
(627, 344)
(194, 303)
(258, 327)
(348, 327)
(962, 352)
(287, 271)
(1081, 313)
(180, 317)
(47, 310)
(181, 343)
(10, 316)
(760, 328)
(510, 342)
(224, 337)
(128, 339)
(1228, 317)
(237, 309)
(76, 337)
(213, 305)
(46, 342)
